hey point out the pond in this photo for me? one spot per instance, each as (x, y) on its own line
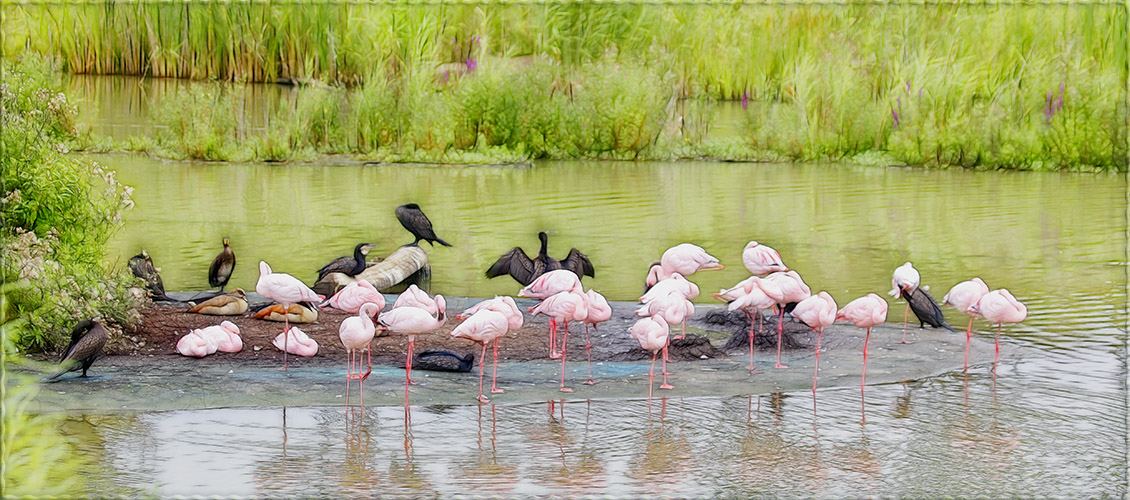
(1053, 419)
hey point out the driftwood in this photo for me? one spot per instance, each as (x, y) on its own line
(407, 263)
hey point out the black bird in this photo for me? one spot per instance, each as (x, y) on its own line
(87, 340)
(220, 271)
(443, 361)
(926, 309)
(142, 267)
(525, 270)
(350, 266)
(414, 220)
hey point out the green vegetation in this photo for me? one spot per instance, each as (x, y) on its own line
(58, 212)
(983, 86)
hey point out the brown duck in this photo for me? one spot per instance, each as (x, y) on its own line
(220, 271)
(230, 304)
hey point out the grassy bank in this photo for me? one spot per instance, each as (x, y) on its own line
(1005, 86)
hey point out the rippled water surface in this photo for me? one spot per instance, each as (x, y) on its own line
(1051, 423)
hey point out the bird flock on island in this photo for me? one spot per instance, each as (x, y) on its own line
(665, 304)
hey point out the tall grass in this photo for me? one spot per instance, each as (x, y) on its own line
(921, 84)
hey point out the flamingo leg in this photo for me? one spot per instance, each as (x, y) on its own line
(684, 334)
(665, 385)
(819, 333)
(408, 365)
(348, 375)
(482, 359)
(780, 333)
(360, 383)
(368, 360)
(553, 354)
(286, 328)
(494, 374)
(863, 380)
(968, 335)
(651, 377)
(564, 341)
(665, 359)
(997, 356)
(588, 354)
(905, 319)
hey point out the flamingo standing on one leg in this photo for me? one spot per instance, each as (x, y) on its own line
(684, 259)
(904, 281)
(599, 312)
(514, 321)
(999, 307)
(412, 321)
(563, 307)
(793, 290)
(759, 294)
(413, 296)
(483, 326)
(652, 335)
(675, 309)
(817, 311)
(356, 332)
(550, 284)
(761, 259)
(961, 296)
(865, 312)
(286, 290)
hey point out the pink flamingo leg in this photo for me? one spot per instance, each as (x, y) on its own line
(368, 360)
(408, 366)
(997, 357)
(968, 335)
(286, 328)
(905, 319)
(482, 359)
(665, 359)
(865, 339)
(564, 341)
(651, 378)
(348, 375)
(665, 384)
(819, 333)
(780, 333)
(588, 354)
(553, 354)
(751, 334)
(684, 334)
(494, 374)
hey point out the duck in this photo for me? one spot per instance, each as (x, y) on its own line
(301, 312)
(349, 266)
(414, 220)
(222, 266)
(230, 304)
(87, 340)
(525, 270)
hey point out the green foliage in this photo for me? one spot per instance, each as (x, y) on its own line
(197, 124)
(57, 212)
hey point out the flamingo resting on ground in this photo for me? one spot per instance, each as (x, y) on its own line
(761, 259)
(652, 335)
(297, 342)
(999, 307)
(817, 311)
(904, 281)
(286, 290)
(793, 290)
(563, 307)
(865, 312)
(356, 332)
(225, 335)
(685, 259)
(413, 321)
(961, 296)
(484, 326)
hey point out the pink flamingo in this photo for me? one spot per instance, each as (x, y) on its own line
(999, 307)
(793, 290)
(904, 281)
(865, 312)
(297, 341)
(286, 290)
(413, 296)
(599, 312)
(676, 283)
(684, 259)
(737, 291)
(761, 259)
(563, 307)
(225, 336)
(356, 332)
(196, 345)
(760, 294)
(354, 295)
(484, 326)
(961, 296)
(817, 311)
(514, 321)
(551, 283)
(674, 308)
(413, 321)
(652, 335)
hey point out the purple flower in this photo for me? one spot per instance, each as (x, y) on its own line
(745, 100)
(895, 114)
(1048, 111)
(472, 65)
(445, 75)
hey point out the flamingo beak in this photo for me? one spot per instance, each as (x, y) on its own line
(711, 266)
